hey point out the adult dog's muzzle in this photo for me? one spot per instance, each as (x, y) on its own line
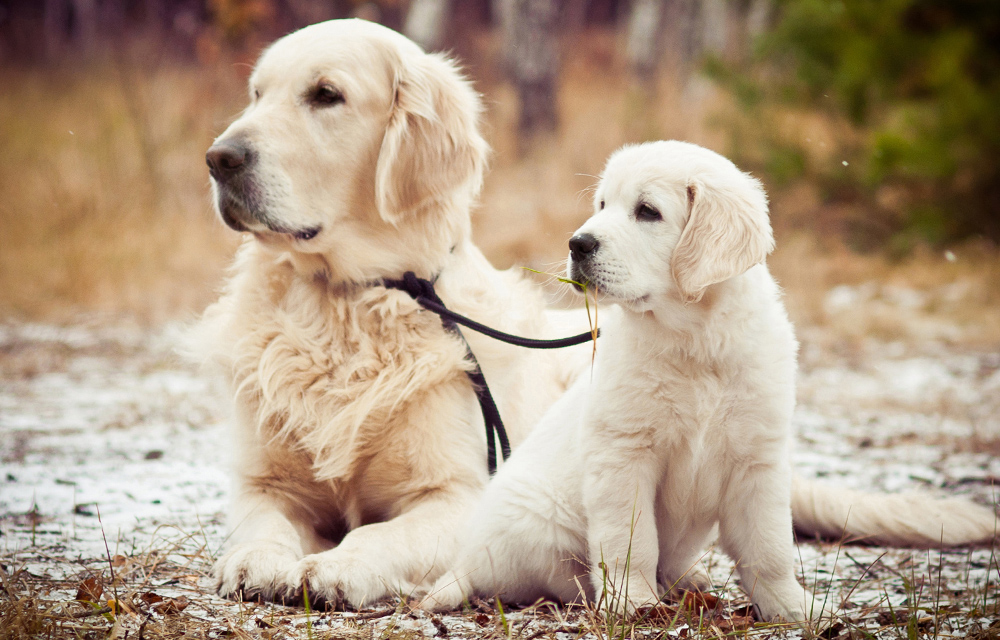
(230, 163)
(228, 159)
(241, 200)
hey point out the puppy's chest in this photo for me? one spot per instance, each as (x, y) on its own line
(699, 420)
(675, 402)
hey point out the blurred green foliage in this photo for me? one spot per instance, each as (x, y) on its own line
(916, 83)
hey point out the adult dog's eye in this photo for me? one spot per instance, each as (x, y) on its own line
(647, 213)
(324, 95)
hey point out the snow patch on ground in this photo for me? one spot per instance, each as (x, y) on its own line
(118, 424)
(112, 419)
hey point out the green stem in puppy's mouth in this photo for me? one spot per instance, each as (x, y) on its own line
(580, 286)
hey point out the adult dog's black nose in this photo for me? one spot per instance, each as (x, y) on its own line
(583, 246)
(227, 158)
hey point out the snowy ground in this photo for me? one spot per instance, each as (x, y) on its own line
(109, 420)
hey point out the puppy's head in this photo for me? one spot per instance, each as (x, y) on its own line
(670, 219)
(355, 142)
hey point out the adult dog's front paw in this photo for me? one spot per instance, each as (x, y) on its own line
(336, 579)
(255, 571)
(447, 594)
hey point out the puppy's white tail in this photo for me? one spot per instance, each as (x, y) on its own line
(906, 519)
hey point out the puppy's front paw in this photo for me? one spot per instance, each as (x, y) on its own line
(819, 610)
(631, 603)
(337, 579)
(254, 571)
(792, 604)
(696, 578)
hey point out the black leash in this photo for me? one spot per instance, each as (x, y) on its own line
(423, 292)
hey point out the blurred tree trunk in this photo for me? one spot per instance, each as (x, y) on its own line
(714, 26)
(111, 16)
(69, 23)
(688, 27)
(54, 22)
(426, 22)
(574, 15)
(758, 16)
(645, 26)
(85, 17)
(306, 12)
(531, 42)
(751, 18)
(692, 28)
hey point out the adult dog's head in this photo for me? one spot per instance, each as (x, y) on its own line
(357, 148)
(670, 219)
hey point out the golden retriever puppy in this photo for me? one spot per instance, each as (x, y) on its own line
(358, 440)
(684, 429)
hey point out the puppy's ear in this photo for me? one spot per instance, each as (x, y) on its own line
(727, 232)
(432, 147)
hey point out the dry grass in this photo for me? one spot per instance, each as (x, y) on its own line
(105, 208)
(103, 190)
(951, 297)
(165, 594)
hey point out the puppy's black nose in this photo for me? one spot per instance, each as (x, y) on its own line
(227, 158)
(583, 246)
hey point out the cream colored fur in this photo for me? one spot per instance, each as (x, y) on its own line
(685, 424)
(359, 444)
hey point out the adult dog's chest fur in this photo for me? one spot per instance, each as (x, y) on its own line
(325, 370)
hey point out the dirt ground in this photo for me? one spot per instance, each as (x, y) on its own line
(114, 487)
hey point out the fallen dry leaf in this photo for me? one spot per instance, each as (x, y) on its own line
(990, 633)
(745, 612)
(263, 624)
(482, 619)
(661, 613)
(697, 601)
(734, 623)
(171, 606)
(151, 598)
(119, 560)
(90, 590)
(124, 604)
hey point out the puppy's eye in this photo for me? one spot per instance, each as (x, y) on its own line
(602, 205)
(647, 213)
(325, 95)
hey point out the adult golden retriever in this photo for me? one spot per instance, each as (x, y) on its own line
(359, 444)
(685, 426)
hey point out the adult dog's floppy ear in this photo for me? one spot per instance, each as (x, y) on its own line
(432, 145)
(727, 232)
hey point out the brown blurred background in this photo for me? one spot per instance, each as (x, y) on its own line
(874, 127)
